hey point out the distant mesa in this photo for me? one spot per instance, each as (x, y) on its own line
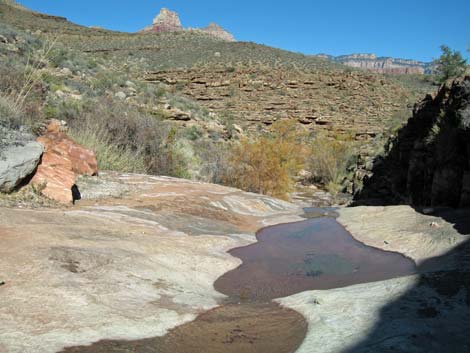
(169, 21)
(386, 65)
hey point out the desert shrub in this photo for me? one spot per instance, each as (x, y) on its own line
(125, 138)
(328, 160)
(193, 133)
(105, 80)
(213, 157)
(10, 115)
(109, 156)
(11, 77)
(267, 164)
(188, 105)
(167, 156)
(397, 120)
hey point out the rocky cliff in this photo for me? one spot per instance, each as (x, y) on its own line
(165, 21)
(385, 65)
(428, 162)
(169, 21)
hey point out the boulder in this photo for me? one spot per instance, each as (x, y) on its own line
(17, 162)
(19, 156)
(120, 95)
(62, 162)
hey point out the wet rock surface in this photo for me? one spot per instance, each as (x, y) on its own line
(133, 264)
(110, 268)
(230, 328)
(420, 313)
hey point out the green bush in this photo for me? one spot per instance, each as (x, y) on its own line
(329, 159)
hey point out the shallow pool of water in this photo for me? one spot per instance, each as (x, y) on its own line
(289, 258)
(312, 254)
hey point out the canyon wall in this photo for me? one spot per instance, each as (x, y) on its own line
(386, 65)
(428, 162)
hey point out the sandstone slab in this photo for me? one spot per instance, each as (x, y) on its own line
(130, 267)
(427, 312)
(402, 229)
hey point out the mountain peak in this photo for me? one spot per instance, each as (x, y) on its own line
(166, 21)
(169, 21)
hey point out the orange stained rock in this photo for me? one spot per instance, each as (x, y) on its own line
(62, 161)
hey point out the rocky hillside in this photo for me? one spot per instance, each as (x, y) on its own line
(385, 65)
(169, 21)
(339, 102)
(252, 85)
(428, 162)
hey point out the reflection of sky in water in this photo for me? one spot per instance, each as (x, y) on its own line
(318, 264)
(313, 254)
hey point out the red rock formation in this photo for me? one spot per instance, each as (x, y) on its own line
(62, 161)
(166, 21)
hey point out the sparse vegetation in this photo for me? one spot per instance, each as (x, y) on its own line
(93, 79)
(328, 160)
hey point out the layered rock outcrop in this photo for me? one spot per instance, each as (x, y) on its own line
(326, 100)
(386, 65)
(428, 162)
(169, 21)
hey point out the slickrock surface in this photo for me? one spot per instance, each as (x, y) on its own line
(421, 313)
(125, 267)
(402, 229)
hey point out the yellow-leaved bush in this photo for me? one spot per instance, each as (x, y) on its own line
(267, 164)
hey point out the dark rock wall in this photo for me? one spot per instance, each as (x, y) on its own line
(428, 162)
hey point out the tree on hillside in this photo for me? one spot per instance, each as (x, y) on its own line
(450, 64)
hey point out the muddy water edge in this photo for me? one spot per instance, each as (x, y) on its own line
(317, 253)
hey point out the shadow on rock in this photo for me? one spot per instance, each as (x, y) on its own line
(432, 316)
(428, 166)
(428, 162)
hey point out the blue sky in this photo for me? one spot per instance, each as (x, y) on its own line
(408, 29)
